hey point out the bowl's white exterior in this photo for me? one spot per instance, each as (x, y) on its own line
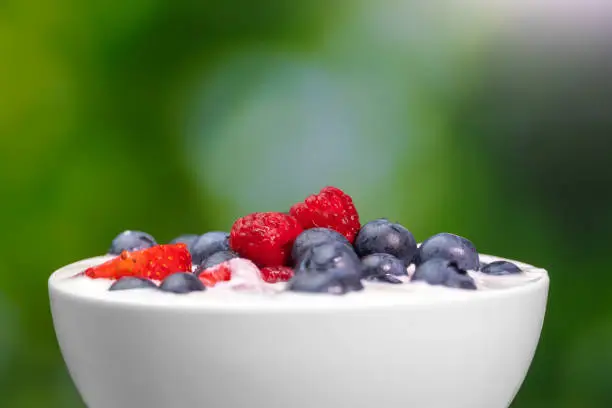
(472, 353)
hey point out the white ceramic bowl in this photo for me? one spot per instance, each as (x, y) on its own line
(469, 349)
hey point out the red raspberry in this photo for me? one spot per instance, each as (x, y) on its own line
(273, 274)
(332, 209)
(265, 238)
(218, 273)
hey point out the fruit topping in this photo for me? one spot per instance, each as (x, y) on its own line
(383, 236)
(450, 247)
(332, 209)
(383, 268)
(181, 282)
(439, 271)
(132, 282)
(211, 276)
(273, 274)
(313, 237)
(151, 263)
(328, 268)
(187, 239)
(207, 244)
(216, 259)
(501, 268)
(131, 241)
(265, 238)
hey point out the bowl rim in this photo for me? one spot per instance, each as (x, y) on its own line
(292, 302)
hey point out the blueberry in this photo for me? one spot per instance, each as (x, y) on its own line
(383, 236)
(216, 259)
(501, 268)
(132, 282)
(450, 247)
(182, 282)
(327, 268)
(482, 265)
(439, 271)
(131, 241)
(313, 237)
(383, 268)
(207, 244)
(187, 239)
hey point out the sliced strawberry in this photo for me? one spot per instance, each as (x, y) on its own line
(218, 273)
(151, 263)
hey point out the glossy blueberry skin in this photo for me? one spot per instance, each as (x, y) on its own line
(131, 241)
(383, 236)
(443, 272)
(327, 268)
(132, 282)
(450, 247)
(499, 268)
(187, 239)
(382, 268)
(313, 237)
(207, 244)
(216, 259)
(182, 282)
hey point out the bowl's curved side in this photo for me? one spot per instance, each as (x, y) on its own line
(465, 354)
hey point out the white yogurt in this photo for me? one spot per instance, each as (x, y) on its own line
(226, 296)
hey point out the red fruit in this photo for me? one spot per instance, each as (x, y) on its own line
(332, 209)
(273, 274)
(218, 273)
(265, 238)
(152, 263)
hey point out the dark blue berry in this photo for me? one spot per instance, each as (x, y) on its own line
(132, 282)
(207, 244)
(501, 268)
(187, 239)
(327, 268)
(216, 259)
(439, 271)
(383, 268)
(131, 241)
(182, 282)
(383, 236)
(450, 247)
(313, 237)
(482, 265)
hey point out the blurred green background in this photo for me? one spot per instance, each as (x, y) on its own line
(487, 119)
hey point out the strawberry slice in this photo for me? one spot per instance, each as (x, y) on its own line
(151, 263)
(218, 273)
(273, 274)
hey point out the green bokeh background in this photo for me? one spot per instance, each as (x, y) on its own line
(176, 117)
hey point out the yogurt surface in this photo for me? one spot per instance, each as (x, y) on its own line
(272, 296)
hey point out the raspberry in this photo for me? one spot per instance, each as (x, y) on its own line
(218, 273)
(265, 238)
(273, 274)
(332, 209)
(151, 263)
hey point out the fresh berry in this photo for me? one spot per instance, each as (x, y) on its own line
(182, 282)
(439, 271)
(332, 209)
(265, 238)
(207, 244)
(187, 239)
(219, 273)
(131, 241)
(328, 268)
(501, 268)
(482, 265)
(450, 247)
(132, 282)
(273, 274)
(216, 259)
(151, 263)
(382, 236)
(378, 267)
(313, 237)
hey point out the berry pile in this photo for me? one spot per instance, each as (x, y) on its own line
(319, 246)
